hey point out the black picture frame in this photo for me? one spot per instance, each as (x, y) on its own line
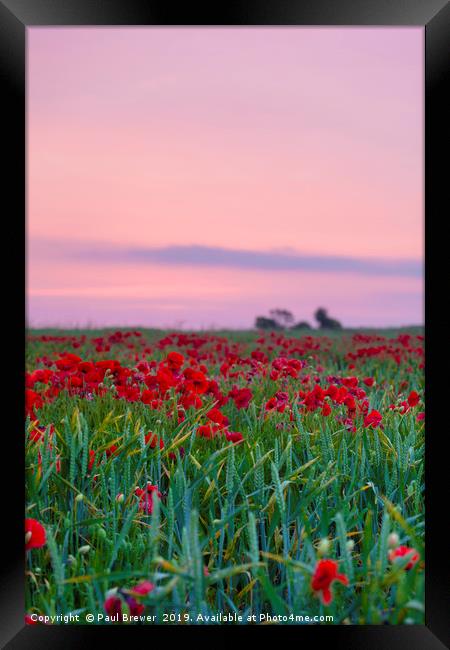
(15, 17)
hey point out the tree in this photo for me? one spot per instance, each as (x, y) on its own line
(301, 325)
(325, 322)
(263, 323)
(283, 317)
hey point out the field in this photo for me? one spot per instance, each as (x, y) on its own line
(195, 478)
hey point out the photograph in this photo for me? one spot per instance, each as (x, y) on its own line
(225, 310)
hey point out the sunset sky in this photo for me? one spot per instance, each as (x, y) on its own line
(198, 177)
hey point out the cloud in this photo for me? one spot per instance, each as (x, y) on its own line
(215, 256)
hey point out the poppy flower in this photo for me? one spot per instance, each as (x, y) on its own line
(75, 382)
(91, 459)
(279, 402)
(403, 551)
(199, 382)
(37, 434)
(143, 588)
(29, 620)
(173, 455)
(147, 396)
(217, 417)
(146, 497)
(206, 431)
(113, 607)
(118, 598)
(372, 419)
(35, 536)
(271, 404)
(326, 409)
(324, 575)
(32, 401)
(190, 400)
(242, 397)
(413, 398)
(234, 436)
(350, 403)
(350, 382)
(110, 451)
(175, 360)
(152, 440)
(165, 380)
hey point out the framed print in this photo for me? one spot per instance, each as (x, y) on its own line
(231, 270)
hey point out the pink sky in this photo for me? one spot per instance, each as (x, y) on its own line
(289, 142)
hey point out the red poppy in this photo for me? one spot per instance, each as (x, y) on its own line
(110, 451)
(146, 497)
(190, 400)
(324, 575)
(350, 382)
(114, 603)
(113, 607)
(413, 398)
(91, 459)
(173, 455)
(148, 396)
(37, 434)
(143, 588)
(175, 360)
(35, 536)
(326, 409)
(402, 551)
(217, 417)
(373, 419)
(152, 440)
(29, 620)
(165, 380)
(271, 404)
(75, 382)
(206, 431)
(234, 436)
(32, 401)
(199, 382)
(136, 609)
(242, 397)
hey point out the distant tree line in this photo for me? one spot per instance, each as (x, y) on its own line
(282, 319)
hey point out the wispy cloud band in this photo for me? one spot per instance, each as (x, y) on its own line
(215, 256)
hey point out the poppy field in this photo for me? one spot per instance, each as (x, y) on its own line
(224, 478)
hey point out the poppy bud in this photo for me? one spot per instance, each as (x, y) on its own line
(84, 549)
(79, 497)
(101, 533)
(323, 546)
(393, 540)
(120, 498)
(350, 545)
(111, 592)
